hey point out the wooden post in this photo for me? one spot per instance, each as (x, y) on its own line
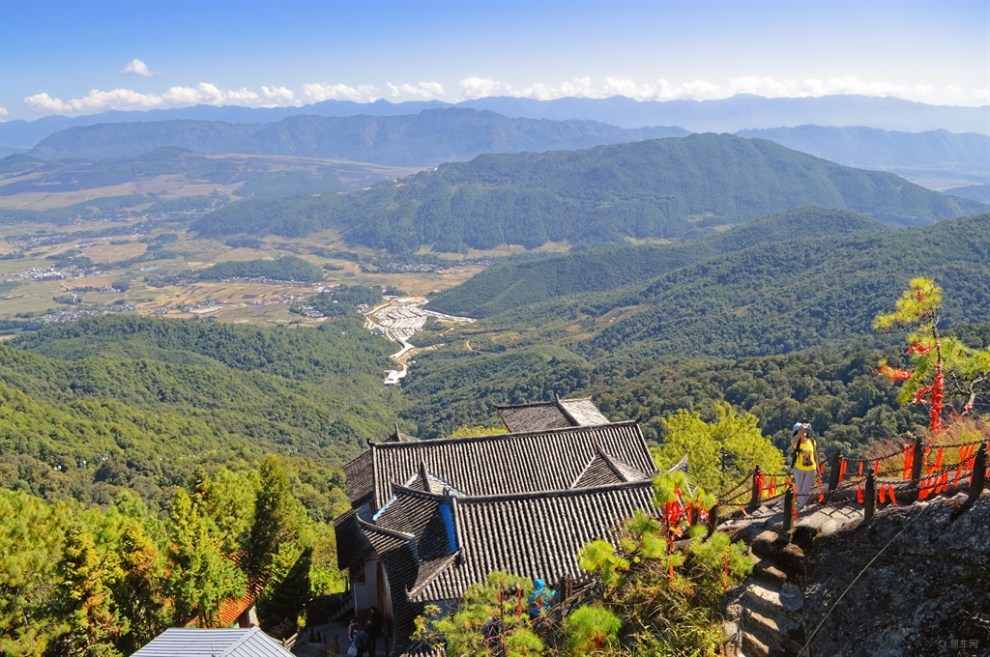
(979, 478)
(833, 475)
(870, 506)
(754, 500)
(788, 507)
(712, 520)
(919, 459)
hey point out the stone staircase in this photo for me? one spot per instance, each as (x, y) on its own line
(765, 612)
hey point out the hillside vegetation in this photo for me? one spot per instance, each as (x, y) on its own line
(781, 329)
(141, 403)
(509, 285)
(672, 188)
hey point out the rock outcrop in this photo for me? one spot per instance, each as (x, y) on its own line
(914, 580)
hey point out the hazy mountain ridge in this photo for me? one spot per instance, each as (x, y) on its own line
(430, 137)
(929, 154)
(726, 115)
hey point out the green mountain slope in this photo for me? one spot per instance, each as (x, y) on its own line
(658, 340)
(662, 189)
(510, 285)
(770, 299)
(157, 398)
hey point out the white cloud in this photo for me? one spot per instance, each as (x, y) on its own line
(474, 87)
(318, 91)
(137, 67)
(278, 96)
(420, 90)
(95, 100)
(206, 93)
(584, 87)
(4, 113)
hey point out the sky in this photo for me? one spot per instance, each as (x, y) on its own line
(81, 57)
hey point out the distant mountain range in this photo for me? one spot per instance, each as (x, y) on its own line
(671, 188)
(428, 138)
(937, 159)
(728, 115)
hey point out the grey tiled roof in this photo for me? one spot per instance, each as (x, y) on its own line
(531, 535)
(533, 417)
(551, 415)
(399, 437)
(352, 545)
(509, 463)
(583, 412)
(360, 477)
(182, 642)
(398, 554)
(603, 470)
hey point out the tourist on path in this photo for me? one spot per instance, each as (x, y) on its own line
(804, 463)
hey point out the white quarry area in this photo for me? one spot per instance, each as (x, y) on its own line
(400, 319)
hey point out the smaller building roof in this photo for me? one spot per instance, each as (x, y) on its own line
(236, 642)
(556, 414)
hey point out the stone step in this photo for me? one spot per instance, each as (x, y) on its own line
(791, 560)
(785, 599)
(759, 645)
(766, 544)
(766, 571)
(782, 628)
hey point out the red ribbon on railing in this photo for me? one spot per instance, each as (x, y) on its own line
(883, 494)
(893, 500)
(859, 493)
(908, 461)
(938, 459)
(842, 469)
(759, 485)
(876, 469)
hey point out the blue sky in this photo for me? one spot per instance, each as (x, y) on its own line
(81, 57)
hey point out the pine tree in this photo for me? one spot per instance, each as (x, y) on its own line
(719, 453)
(83, 601)
(200, 577)
(140, 590)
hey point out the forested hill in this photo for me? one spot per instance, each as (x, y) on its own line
(142, 403)
(427, 138)
(671, 188)
(510, 285)
(773, 298)
(779, 328)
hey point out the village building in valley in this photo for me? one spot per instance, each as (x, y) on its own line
(431, 517)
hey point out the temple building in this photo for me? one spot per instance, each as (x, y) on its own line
(431, 517)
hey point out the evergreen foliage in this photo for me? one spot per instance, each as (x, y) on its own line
(81, 421)
(719, 453)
